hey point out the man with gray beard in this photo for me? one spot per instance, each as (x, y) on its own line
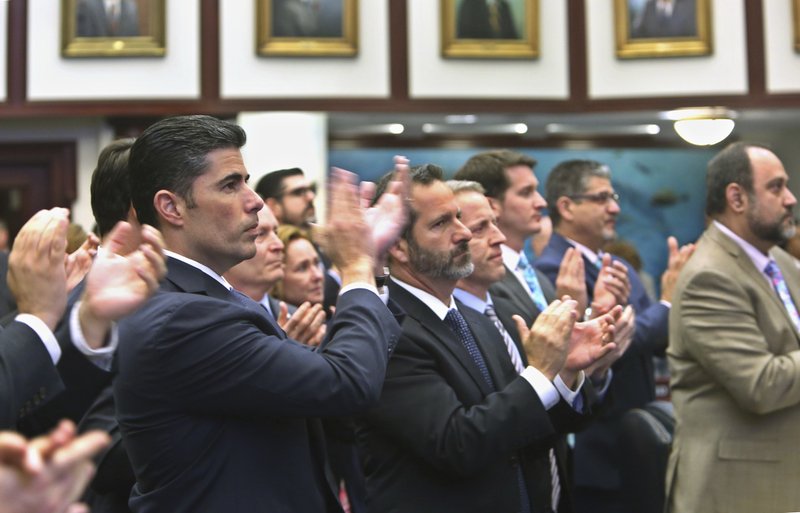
(734, 348)
(456, 427)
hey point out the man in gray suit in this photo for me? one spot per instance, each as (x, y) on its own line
(107, 18)
(734, 348)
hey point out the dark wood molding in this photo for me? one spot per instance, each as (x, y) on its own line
(398, 48)
(578, 68)
(209, 52)
(501, 141)
(17, 54)
(756, 65)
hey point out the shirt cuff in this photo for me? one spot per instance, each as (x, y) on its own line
(543, 387)
(101, 357)
(569, 395)
(666, 303)
(45, 334)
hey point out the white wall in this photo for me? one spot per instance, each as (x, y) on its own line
(431, 76)
(723, 72)
(52, 77)
(246, 75)
(280, 140)
(782, 61)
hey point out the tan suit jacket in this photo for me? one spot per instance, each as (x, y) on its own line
(734, 355)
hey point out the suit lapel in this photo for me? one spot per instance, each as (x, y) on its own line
(433, 326)
(510, 288)
(750, 273)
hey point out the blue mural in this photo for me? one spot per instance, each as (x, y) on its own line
(662, 191)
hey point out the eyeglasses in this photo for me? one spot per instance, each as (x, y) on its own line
(300, 192)
(601, 197)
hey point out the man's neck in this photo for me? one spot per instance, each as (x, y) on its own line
(441, 289)
(476, 289)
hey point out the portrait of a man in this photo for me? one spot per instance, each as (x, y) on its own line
(490, 19)
(307, 18)
(108, 18)
(658, 19)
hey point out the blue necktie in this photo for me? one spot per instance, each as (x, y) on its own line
(456, 321)
(533, 282)
(779, 283)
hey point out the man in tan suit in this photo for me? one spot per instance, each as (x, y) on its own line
(734, 349)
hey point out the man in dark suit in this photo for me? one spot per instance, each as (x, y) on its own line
(485, 19)
(473, 292)
(213, 401)
(666, 18)
(107, 18)
(44, 358)
(457, 428)
(584, 208)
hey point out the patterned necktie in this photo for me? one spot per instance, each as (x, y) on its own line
(779, 283)
(511, 347)
(456, 321)
(533, 282)
(516, 360)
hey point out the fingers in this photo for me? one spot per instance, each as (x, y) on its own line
(283, 315)
(122, 239)
(672, 245)
(367, 192)
(13, 450)
(81, 449)
(522, 328)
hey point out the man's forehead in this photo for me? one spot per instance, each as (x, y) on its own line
(598, 182)
(293, 181)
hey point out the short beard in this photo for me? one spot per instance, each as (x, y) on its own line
(441, 265)
(776, 233)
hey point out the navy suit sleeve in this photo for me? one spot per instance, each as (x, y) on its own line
(208, 356)
(28, 377)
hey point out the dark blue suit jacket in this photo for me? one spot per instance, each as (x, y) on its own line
(633, 385)
(213, 401)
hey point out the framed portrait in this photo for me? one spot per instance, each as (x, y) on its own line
(796, 24)
(662, 28)
(307, 28)
(490, 29)
(113, 28)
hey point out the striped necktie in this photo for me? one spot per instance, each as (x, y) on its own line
(776, 277)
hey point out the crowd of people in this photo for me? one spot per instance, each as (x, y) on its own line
(218, 349)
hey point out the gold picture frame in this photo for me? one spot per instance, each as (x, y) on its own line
(128, 28)
(645, 30)
(473, 29)
(295, 28)
(796, 24)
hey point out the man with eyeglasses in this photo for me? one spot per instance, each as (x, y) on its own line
(584, 210)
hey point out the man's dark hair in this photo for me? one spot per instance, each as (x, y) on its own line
(731, 165)
(489, 170)
(171, 154)
(571, 178)
(424, 174)
(271, 184)
(110, 189)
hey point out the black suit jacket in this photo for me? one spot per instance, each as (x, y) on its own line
(440, 438)
(213, 401)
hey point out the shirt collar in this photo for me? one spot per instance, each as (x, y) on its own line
(473, 301)
(588, 253)
(431, 301)
(199, 266)
(510, 257)
(760, 260)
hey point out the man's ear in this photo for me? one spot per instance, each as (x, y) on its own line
(564, 207)
(170, 207)
(399, 251)
(276, 208)
(497, 206)
(736, 197)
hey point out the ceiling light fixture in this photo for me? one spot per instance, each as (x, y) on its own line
(704, 126)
